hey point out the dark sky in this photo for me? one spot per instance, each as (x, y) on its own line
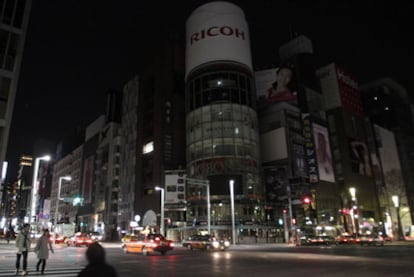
(76, 50)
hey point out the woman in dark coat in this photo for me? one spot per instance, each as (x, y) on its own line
(42, 248)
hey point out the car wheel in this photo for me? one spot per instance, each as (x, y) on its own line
(145, 251)
(163, 252)
(191, 247)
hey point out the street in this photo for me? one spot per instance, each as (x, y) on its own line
(240, 260)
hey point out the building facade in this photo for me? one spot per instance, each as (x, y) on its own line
(222, 142)
(14, 18)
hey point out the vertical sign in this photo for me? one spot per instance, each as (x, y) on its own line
(310, 149)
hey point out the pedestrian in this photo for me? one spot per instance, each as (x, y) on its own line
(23, 242)
(97, 266)
(42, 248)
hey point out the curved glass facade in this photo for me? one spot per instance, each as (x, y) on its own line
(222, 128)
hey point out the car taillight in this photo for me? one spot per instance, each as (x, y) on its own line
(171, 244)
(157, 239)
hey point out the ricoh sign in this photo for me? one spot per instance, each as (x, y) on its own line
(217, 31)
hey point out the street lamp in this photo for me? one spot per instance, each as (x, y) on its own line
(233, 224)
(352, 191)
(395, 200)
(162, 210)
(67, 178)
(33, 200)
(207, 184)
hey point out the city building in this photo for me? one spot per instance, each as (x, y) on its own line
(353, 145)
(14, 19)
(68, 165)
(222, 142)
(388, 105)
(153, 138)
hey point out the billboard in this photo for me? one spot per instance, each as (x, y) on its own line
(310, 149)
(340, 89)
(299, 166)
(276, 85)
(276, 180)
(174, 187)
(323, 153)
(217, 31)
(273, 145)
(359, 155)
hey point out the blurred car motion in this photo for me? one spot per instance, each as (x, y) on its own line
(79, 239)
(148, 244)
(206, 242)
(96, 236)
(58, 238)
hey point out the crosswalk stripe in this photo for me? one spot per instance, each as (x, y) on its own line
(51, 271)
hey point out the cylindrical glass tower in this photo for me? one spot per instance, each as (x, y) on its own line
(221, 121)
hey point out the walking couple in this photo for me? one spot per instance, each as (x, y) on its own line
(42, 247)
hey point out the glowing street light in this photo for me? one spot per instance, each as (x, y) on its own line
(396, 201)
(233, 223)
(352, 191)
(67, 178)
(205, 183)
(162, 210)
(35, 188)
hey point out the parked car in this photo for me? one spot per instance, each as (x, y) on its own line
(206, 242)
(79, 239)
(148, 244)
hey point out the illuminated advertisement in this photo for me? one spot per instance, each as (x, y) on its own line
(310, 149)
(299, 165)
(276, 85)
(276, 182)
(360, 157)
(217, 31)
(323, 153)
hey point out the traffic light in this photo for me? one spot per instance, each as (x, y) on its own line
(77, 201)
(306, 200)
(294, 221)
(284, 211)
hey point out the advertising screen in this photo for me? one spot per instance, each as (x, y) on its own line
(360, 157)
(323, 153)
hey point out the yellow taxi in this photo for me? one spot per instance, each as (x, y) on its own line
(148, 244)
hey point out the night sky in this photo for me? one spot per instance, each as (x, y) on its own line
(76, 50)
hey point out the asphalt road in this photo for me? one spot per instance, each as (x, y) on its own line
(239, 260)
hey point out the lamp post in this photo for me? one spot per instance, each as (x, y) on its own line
(395, 200)
(233, 223)
(352, 191)
(33, 199)
(67, 178)
(205, 183)
(162, 210)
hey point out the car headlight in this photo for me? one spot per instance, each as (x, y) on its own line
(226, 243)
(215, 244)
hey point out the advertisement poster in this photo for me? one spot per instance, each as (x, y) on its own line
(323, 153)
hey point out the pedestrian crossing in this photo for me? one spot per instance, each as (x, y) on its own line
(50, 271)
